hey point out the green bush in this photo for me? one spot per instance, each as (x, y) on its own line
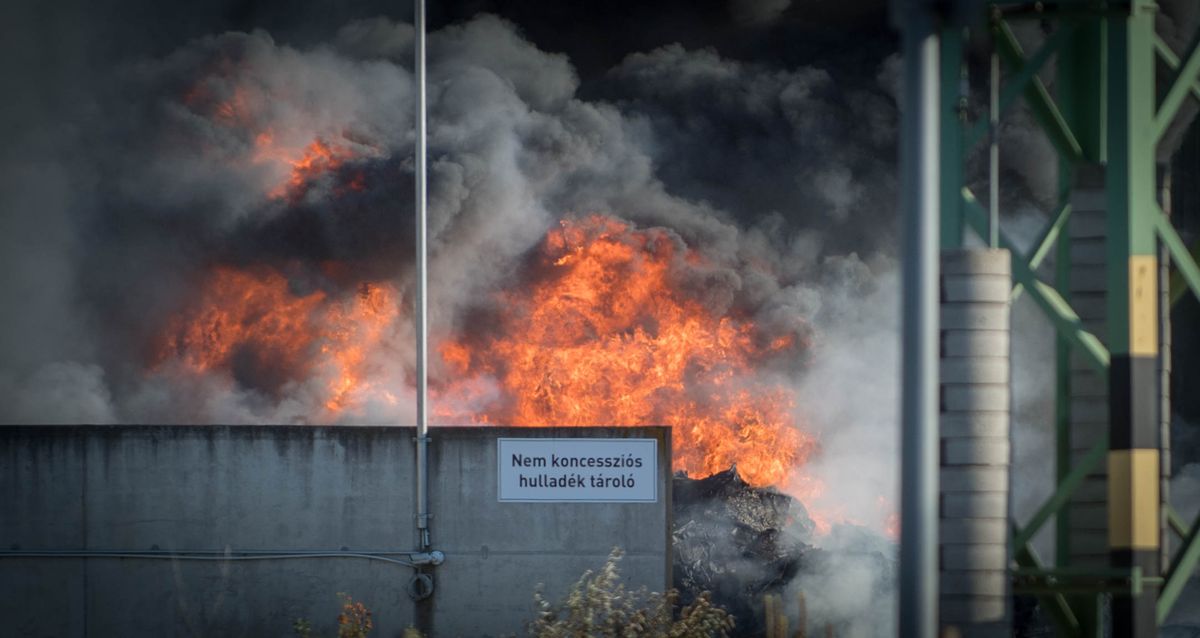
(598, 604)
(354, 621)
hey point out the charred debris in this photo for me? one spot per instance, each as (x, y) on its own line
(743, 543)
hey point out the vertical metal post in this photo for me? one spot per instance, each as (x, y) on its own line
(420, 318)
(1164, 364)
(1134, 454)
(1087, 412)
(1062, 399)
(953, 111)
(994, 154)
(1082, 392)
(919, 162)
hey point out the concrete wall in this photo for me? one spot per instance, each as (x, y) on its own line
(144, 488)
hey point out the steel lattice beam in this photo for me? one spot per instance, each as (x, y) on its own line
(1020, 82)
(1184, 83)
(1043, 106)
(1048, 299)
(1047, 239)
(1185, 261)
(1104, 113)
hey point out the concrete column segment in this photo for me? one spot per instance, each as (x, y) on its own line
(974, 423)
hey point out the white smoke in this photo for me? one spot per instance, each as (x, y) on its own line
(849, 393)
(60, 392)
(850, 397)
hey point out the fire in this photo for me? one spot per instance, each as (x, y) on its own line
(353, 331)
(316, 159)
(245, 312)
(240, 107)
(251, 323)
(600, 334)
(603, 336)
(599, 330)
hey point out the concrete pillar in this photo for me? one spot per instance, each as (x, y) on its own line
(974, 589)
(1088, 515)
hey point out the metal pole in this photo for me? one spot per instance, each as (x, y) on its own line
(994, 155)
(421, 311)
(1134, 454)
(1062, 382)
(956, 90)
(919, 161)
(1079, 88)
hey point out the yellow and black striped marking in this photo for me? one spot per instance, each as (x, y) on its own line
(1134, 456)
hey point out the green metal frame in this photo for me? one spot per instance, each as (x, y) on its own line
(1054, 603)
(1045, 295)
(1178, 287)
(1045, 110)
(1083, 127)
(1046, 241)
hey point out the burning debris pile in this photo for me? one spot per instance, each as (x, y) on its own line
(738, 542)
(742, 543)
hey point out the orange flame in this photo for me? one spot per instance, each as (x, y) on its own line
(603, 335)
(252, 318)
(353, 331)
(243, 106)
(237, 311)
(306, 166)
(606, 338)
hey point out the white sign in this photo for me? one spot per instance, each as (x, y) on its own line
(578, 470)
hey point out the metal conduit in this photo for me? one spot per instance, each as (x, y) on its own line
(415, 558)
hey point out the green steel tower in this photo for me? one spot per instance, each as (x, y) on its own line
(1118, 266)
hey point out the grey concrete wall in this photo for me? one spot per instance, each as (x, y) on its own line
(295, 488)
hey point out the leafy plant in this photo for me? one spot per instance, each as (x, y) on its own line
(354, 621)
(598, 604)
